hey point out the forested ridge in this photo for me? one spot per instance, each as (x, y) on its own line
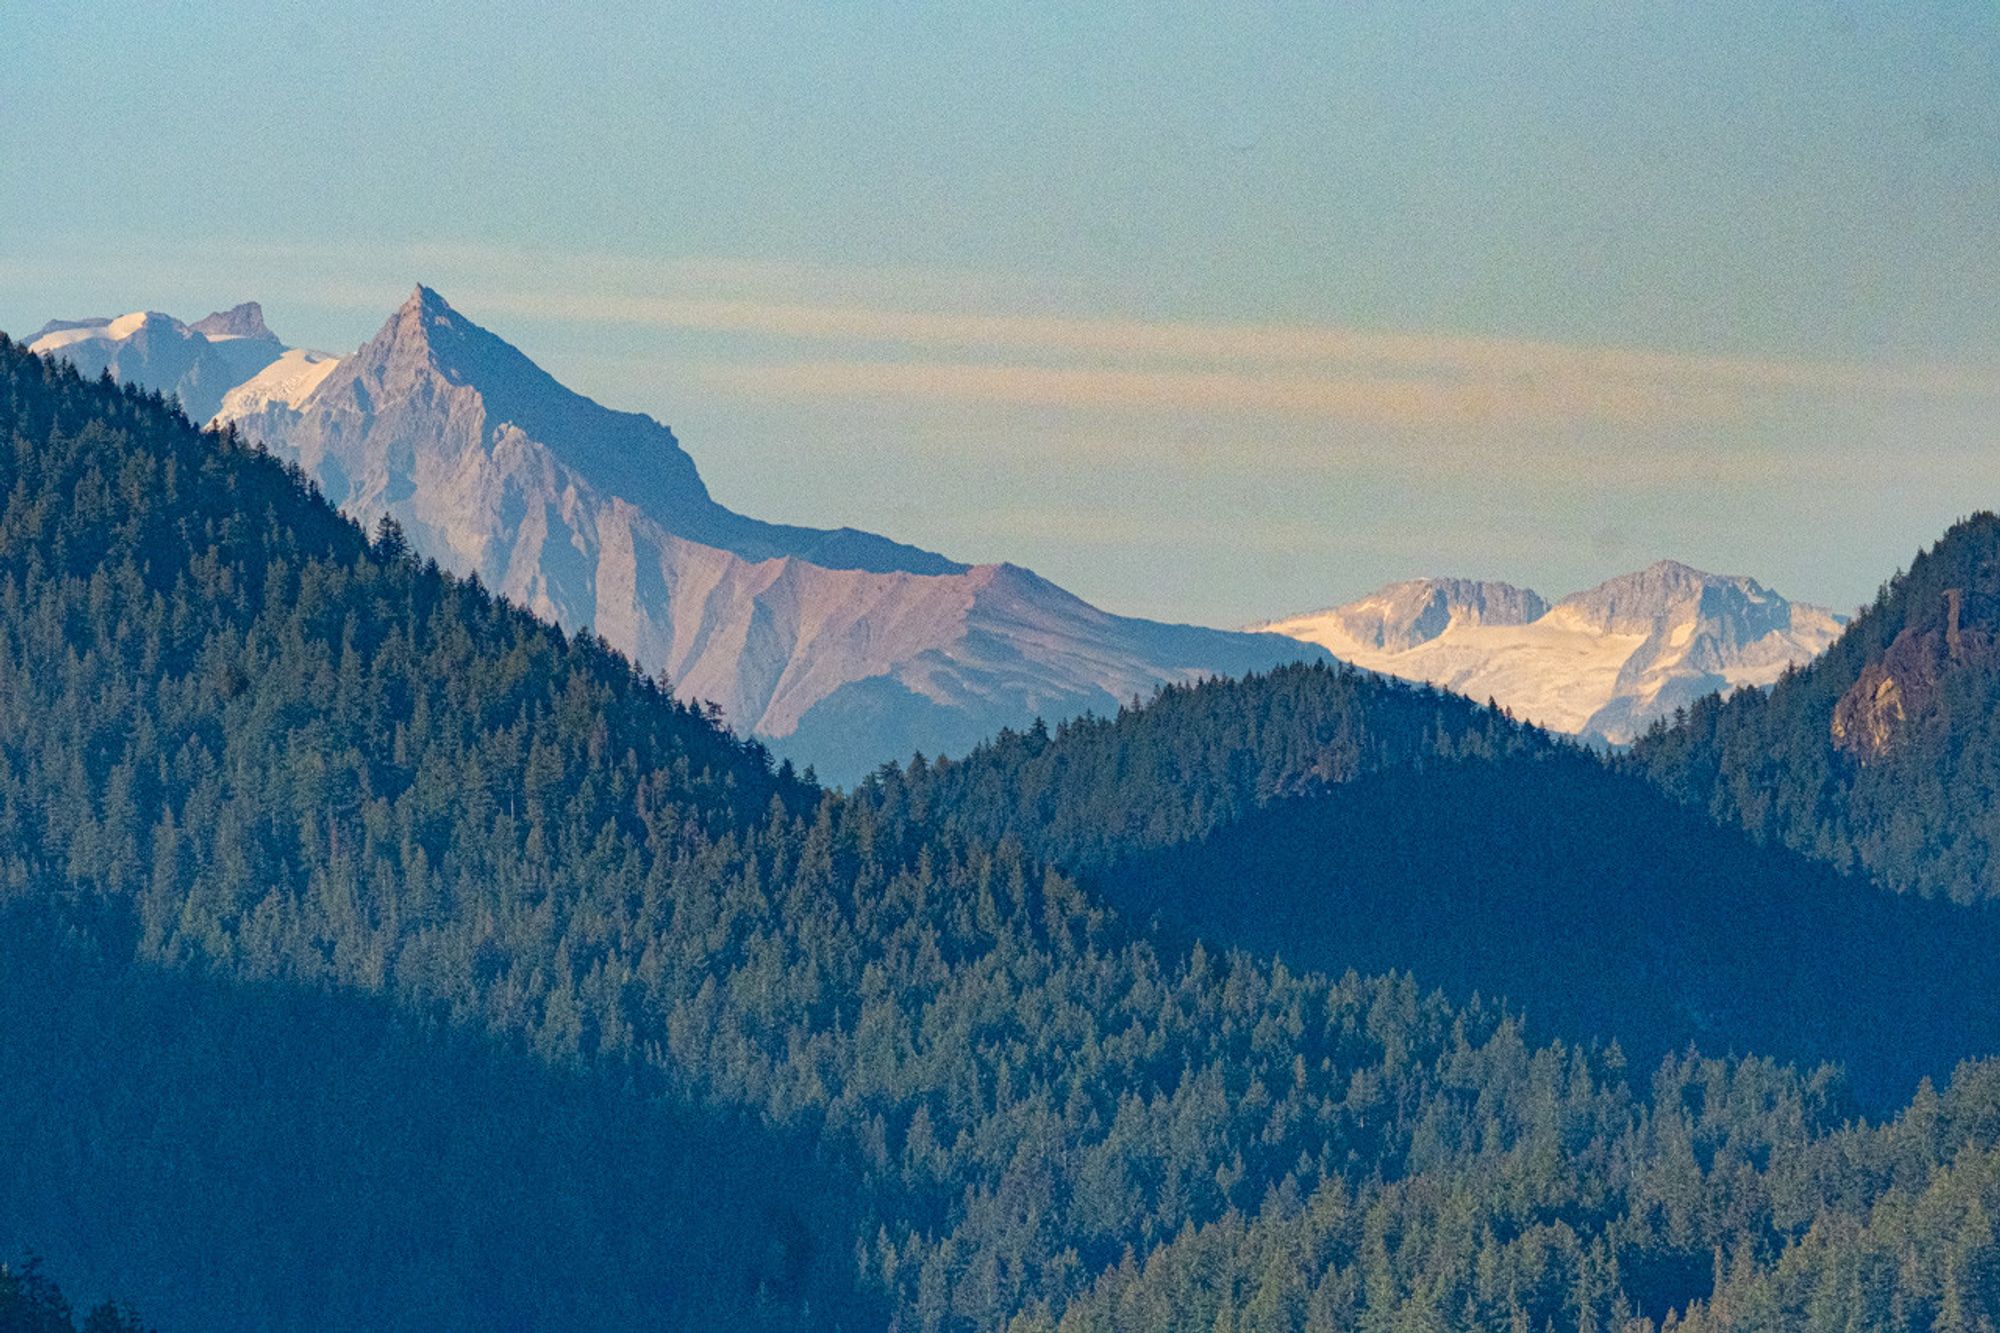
(1339, 819)
(1882, 755)
(264, 781)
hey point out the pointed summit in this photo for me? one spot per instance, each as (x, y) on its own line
(433, 393)
(426, 325)
(424, 307)
(429, 357)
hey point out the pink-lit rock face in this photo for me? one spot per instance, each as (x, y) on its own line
(841, 648)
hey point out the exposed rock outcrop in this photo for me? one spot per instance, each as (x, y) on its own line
(1903, 690)
(1402, 615)
(241, 321)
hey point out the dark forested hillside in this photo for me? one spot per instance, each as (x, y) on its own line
(1883, 755)
(1341, 820)
(270, 1155)
(364, 932)
(31, 1303)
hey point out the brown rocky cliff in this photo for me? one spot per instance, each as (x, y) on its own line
(1902, 691)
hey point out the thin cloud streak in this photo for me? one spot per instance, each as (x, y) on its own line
(1297, 369)
(1404, 400)
(957, 348)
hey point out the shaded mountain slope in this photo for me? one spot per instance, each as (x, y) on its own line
(1883, 755)
(1577, 898)
(271, 1156)
(1343, 821)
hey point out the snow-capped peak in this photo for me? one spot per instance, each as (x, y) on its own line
(126, 325)
(1602, 663)
(1402, 615)
(198, 364)
(285, 383)
(59, 333)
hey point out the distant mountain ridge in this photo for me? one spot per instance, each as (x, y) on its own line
(1402, 615)
(1602, 664)
(198, 363)
(839, 648)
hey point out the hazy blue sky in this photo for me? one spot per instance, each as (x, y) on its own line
(1209, 312)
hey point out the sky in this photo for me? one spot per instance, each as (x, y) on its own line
(1207, 312)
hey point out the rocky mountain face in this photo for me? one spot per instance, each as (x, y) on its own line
(1905, 689)
(1602, 664)
(1403, 615)
(840, 648)
(198, 363)
(402, 425)
(239, 321)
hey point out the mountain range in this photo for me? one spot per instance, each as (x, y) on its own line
(377, 956)
(1603, 664)
(197, 363)
(839, 648)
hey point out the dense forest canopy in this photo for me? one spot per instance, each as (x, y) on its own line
(1194, 759)
(266, 782)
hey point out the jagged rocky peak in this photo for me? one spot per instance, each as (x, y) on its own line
(239, 321)
(1731, 609)
(1635, 603)
(426, 335)
(425, 330)
(426, 320)
(1403, 615)
(433, 383)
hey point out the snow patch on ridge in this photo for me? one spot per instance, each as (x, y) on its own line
(286, 382)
